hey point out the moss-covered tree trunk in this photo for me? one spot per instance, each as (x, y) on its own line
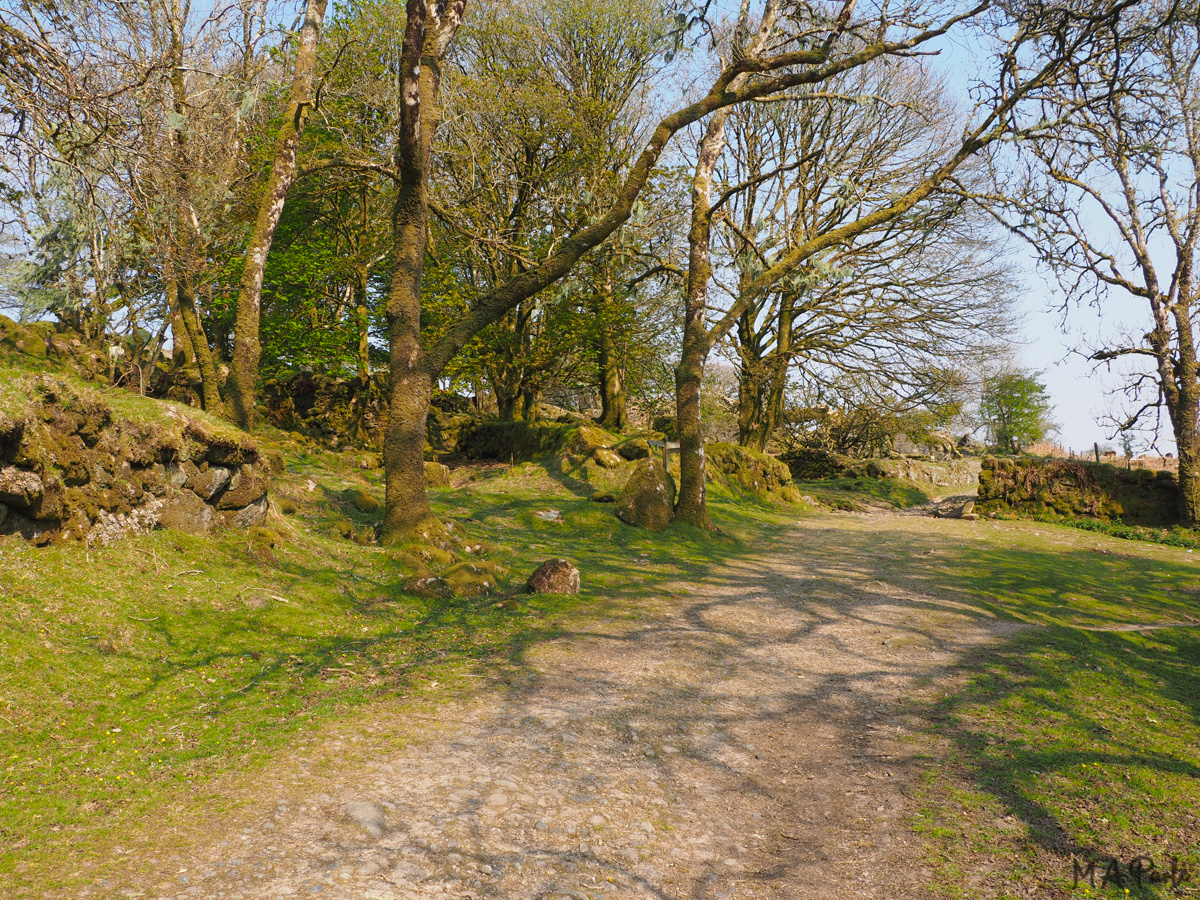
(407, 511)
(1185, 417)
(614, 408)
(691, 505)
(243, 371)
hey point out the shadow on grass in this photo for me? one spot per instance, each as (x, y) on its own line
(1082, 728)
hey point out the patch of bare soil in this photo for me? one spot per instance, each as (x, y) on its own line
(749, 738)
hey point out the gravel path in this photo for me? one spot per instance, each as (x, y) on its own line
(749, 738)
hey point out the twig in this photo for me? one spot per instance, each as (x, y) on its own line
(136, 619)
(187, 572)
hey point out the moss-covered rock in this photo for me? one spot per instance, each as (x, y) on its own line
(437, 474)
(648, 498)
(1069, 488)
(607, 459)
(749, 471)
(470, 579)
(361, 500)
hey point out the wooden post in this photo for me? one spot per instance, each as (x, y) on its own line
(1096, 447)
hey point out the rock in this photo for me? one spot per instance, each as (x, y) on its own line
(209, 483)
(20, 488)
(429, 587)
(366, 816)
(275, 461)
(436, 474)
(587, 440)
(549, 515)
(970, 517)
(635, 449)
(554, 576)
(648, 498)
(248, 485)
(361, 500)
(186, 512)
(603, 497)
(606, 459)
(968, 508)
(469, 579)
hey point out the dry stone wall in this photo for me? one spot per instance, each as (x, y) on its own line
(70, 470)
(1070, 488)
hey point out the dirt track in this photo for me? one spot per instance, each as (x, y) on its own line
(751, 737)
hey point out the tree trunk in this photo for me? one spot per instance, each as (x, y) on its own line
(407, 513)
(614, 412)
(1185, 418)
(691, 507)
(530, 399)
(210, 395)
(243, 373)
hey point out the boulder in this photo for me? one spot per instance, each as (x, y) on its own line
(186, 512)
(436, 474)
(603, 497)
(586, 440)
(470, 580)
(248, 485)
(361, 500)
(635, 449)
(429, 587)
(554, 576)
(366, 816)
(648, 498)
(249, 515)
(210, 482)
(20, 488)
(606, 459)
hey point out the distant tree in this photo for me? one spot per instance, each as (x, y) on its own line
(1015, 409)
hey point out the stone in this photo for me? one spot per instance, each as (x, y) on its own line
(968, 508)
(209, 483)
(603, 497)
(607, 459)
(361, 500)
(635, 449)
(554, 576)
(366, 816)
(436, 474)
(248, 485)
(276, 462)
(468, 579)
(429, 587)
(20, 488)
(250, 515)
(186, 512)
(648, 498)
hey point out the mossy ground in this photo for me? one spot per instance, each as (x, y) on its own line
(1076, 739)
(856, 494)
(137, 676)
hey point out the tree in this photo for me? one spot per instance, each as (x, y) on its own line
(1064, 33)
(1109, 199)
(1014, 409)
(243, 372)
(916, 295)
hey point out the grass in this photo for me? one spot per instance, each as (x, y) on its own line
(1073, 742)
(136, 675)
(854, 493)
